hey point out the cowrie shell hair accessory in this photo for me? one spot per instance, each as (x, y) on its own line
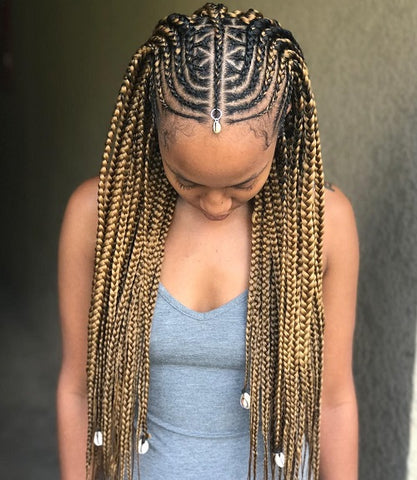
(143, 446)
(216, 115)
(279, 459)
(98, 439)
(245, 400)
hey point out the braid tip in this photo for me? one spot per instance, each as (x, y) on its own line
(143, 446)
(98, 439)
(245, 400)
(279, 459)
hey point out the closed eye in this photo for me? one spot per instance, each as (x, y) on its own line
(185, 187)
(244, 187)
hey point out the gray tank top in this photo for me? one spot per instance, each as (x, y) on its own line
(198, 428)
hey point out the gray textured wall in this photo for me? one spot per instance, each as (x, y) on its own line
(69, 61)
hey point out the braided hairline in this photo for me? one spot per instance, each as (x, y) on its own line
(285, 315)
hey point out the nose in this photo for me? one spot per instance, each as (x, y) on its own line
(216, 203)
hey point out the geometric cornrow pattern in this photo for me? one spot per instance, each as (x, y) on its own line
(245, 65)
(215, 61)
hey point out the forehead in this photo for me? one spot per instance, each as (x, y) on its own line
(197, 154)
(170, 125)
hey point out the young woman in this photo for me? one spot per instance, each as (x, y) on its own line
(212, 296)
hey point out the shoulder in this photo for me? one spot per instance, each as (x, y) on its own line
(83, 201)
(340, 233)
(84, 197)
(80, 219)
(338, 208)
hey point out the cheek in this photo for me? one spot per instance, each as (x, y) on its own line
(263, 180)
(245, 196)
(240, 199)
(171, 180)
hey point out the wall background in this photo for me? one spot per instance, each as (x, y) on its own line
(69, 58)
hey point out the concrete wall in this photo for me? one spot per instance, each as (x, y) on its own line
(412, 451)
(69, 60)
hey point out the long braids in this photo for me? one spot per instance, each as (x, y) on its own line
(249, 67)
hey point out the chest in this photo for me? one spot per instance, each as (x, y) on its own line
(206, 265)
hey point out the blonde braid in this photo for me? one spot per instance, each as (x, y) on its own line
(99, 301)
(269, 233)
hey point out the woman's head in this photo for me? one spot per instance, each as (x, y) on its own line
(219, 91)
(215, 108)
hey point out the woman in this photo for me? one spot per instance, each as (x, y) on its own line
(208, 271)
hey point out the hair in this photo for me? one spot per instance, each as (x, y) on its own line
(247, 66)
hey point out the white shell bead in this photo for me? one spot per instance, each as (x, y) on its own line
(279, 458)
(217, 128)
(245, 400)
(98, 439)
(143, 446)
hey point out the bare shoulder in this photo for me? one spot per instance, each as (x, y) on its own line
(340, 233)
(84, 198)
(81, 210)
(338, 207)
(79, 226)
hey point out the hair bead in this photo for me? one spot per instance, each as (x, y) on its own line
(279, 459)
(245, 400)
(216, 115)
(98, 439)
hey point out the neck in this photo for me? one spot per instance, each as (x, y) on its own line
(196, 218)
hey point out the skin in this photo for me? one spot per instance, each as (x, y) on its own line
(213, 214)
(213, 219)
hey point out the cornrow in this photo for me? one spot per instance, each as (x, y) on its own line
(247, 66)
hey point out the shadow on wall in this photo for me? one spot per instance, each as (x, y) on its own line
(385, 334)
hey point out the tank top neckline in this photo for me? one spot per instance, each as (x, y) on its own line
(209, 315)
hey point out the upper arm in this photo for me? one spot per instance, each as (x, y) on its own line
(339, 296)
(75, 274)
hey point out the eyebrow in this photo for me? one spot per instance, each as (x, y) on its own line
(182, 178)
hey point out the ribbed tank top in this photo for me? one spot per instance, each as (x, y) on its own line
(197, 363)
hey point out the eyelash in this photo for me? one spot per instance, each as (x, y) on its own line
(249, 187)
(185, 187)
(189, 187)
